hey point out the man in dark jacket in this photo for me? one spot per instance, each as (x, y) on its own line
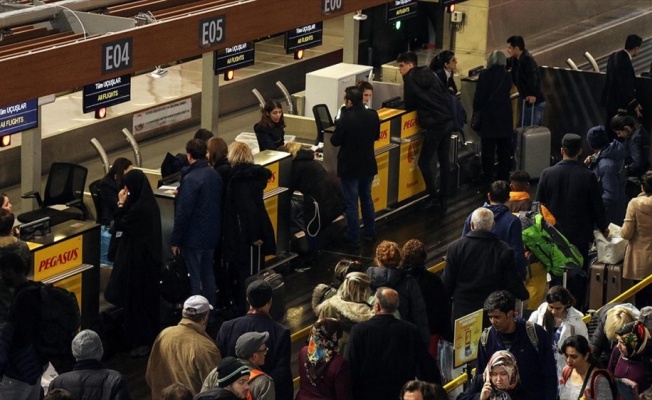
(507, 226)
(277, 362)
(355, 133)
(424, 92)
(385, 352)
(526, 77)
(528, 343)
(89, 379)
(197, 220)
(620, 85)
(572, 194)
(608, 164)
(479, 264)
(21, 365)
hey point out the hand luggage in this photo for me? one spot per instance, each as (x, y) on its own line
(277, 312)
(532, 147)
(606, 283)
(175, 281)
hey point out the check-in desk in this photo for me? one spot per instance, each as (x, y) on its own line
(69, 257)
(406, 132)
(276, 196)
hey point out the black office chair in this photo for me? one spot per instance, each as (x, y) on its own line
(94, 188)
(65, 186)
(323, 120)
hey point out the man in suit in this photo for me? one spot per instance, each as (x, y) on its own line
(355, 133)
(620, 85)
(385, 352)
(479, 264)
(573, 195)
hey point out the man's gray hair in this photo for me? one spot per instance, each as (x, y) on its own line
(496, 57)
(482, 219)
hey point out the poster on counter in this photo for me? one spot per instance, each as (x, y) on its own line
(161, 116)
(466, 337)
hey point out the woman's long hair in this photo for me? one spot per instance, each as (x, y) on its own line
(265, 119)
(556, 294)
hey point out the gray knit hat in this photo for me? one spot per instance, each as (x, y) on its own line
(87, 346)
(230, 370)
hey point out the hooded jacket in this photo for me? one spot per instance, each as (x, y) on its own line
(571, 325)
(411, 304)
(508, 229)
(609, 168)
(637, 228)
(424, 92)
(348, 313)
(90, 380)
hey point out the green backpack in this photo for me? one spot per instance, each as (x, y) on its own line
(548, 245)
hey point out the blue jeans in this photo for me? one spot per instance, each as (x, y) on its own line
(105, 237)
(202, 275)
(353, 189)
(527, 118)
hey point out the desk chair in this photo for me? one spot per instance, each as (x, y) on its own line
(65, 186)
(323, 120)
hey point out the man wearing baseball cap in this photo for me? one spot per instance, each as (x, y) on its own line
(251, 351)
(232, 383)
(183, 353)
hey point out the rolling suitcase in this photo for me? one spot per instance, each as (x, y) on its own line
(277, 312)
(532, 148)
(616, 284)
(606, 283)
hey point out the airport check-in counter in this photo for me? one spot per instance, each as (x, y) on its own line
(69, 257)
(276, 195)
(384, 185)
(407, 133)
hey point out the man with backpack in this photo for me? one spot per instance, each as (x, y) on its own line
(528, 342)
(21, 364)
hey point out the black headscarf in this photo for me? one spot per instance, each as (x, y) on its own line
(141, 216)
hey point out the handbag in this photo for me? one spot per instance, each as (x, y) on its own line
(476, 117)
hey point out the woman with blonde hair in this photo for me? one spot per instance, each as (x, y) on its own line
(248, 231)
(389, 273)
(610, 318)
(350, 304)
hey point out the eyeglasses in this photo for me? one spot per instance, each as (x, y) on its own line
(264, 351)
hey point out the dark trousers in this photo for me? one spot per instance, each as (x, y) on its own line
(354, 189)
(436, 147)
(502, 147)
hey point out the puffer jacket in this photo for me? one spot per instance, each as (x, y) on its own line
(348, 313)
(424, 92)
(89, 380)
(411, 304)
(609, 168)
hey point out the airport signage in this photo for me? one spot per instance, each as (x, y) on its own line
(332, 6)
(212, 31)
(18, 117)
(401, 9)
(231, 58)
(106, 93)
(117, 55)
(304, 37)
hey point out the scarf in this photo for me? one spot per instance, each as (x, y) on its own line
(323, 344)
(635, 337)
(505, 359)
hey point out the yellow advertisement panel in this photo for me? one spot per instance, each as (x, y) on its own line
(271, 205)
(466, 337)
(379, 186)
(272, 182)
(74, 285)
(58, 258)
(410, 181)
(409, 125)
(383, 139)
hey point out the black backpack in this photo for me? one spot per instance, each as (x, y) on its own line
(60, 322)
(175, 282)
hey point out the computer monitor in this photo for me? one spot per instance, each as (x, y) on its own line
(394, 102)
(35, 229)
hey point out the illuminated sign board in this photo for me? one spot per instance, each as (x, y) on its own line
(304, 37)
(238, 56)
(106, 93)
(401, 9)
(18, 117)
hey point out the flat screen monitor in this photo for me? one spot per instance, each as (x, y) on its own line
(35, 229)
(394, 102)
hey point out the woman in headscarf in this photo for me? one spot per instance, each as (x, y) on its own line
(323, 371)
(492, 101)
(500, 380)
(630, 358)
(134, 282)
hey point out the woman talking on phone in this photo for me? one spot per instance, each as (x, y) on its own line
(500, 380)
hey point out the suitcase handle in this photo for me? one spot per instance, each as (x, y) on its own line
(251, 259)
(523, 114)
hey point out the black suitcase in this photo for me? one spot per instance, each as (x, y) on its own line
(275, 279)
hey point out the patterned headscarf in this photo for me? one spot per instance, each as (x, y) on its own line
(635, 337)
(505, 359)
(323, 343)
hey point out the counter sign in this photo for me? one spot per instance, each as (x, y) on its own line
(238, 56)
(212, 31)
(106, 93)
(117, 55)
(401, 9)
(18, 117)
(332, 6)
(304, 37)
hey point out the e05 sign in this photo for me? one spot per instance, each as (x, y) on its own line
(117, 55)
(212, 31)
